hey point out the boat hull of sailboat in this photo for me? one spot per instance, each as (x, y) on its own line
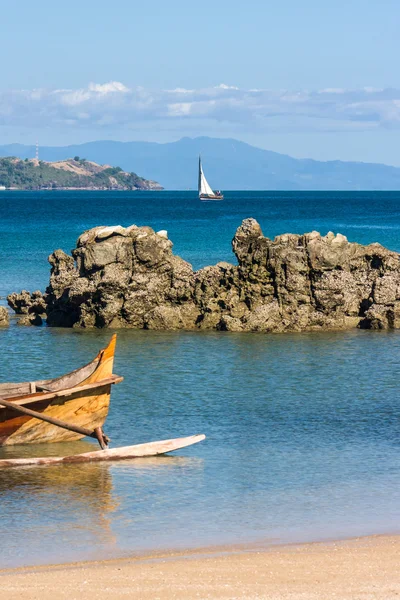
(206, 197)
(81, 398)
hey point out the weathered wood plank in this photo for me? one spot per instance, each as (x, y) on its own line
(63, 393)
(47, 419)
(123, 453)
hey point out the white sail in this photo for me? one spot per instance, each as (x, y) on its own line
(204, 188)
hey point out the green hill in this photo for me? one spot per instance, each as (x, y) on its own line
(76, 173)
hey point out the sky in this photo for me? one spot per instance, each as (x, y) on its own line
(315, 79)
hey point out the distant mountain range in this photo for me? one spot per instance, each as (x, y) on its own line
(228, 164)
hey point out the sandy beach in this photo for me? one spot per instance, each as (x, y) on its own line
(361, 568)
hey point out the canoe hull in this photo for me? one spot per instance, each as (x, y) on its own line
(87, 407)
(88, 410)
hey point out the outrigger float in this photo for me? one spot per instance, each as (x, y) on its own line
(69, 408)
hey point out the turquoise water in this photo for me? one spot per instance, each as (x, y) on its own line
(302, 430)
(34, 224)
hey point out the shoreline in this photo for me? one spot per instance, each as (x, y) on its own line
(361, 567)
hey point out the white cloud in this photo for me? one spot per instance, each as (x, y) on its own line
(223, 86)
(180, 91)
(107, 88)
(179, 109)
(334, 91)
(113, 105)
(74, 98)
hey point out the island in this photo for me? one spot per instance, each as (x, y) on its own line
(71, 174)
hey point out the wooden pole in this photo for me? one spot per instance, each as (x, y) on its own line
(53, 421)
(103, 439)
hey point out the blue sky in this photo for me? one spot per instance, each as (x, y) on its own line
(318, 79)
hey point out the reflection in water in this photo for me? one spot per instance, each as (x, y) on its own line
(161, 462)
(83, 493)
(67, 511)
(55, 449)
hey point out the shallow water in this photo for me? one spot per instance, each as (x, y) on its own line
(302, 429)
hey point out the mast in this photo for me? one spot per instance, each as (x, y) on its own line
(199, 179)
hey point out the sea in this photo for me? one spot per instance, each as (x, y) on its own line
(303, 430)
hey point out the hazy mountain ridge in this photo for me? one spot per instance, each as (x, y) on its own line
(228, 164)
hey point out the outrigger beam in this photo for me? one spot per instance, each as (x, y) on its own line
(124, 453)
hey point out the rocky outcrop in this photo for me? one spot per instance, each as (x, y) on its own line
(32, 306)
(30, 319)
(120, 278)
(4, 317)
(129, 277)
(26, 303)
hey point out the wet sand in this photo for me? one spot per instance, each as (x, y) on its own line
(362, 569)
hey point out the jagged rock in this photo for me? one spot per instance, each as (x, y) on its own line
(122, 278)
(4, 317)
(27, 303)
(107, 232)
(129, 277)
(30, 319)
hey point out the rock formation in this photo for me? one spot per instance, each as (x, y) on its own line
(129, 277)
(4, 317)
(30, 306)
(25, 303)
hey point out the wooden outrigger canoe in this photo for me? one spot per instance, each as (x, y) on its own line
(63, 409)
(69, 408)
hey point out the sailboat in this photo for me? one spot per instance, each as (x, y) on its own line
(205, 191)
